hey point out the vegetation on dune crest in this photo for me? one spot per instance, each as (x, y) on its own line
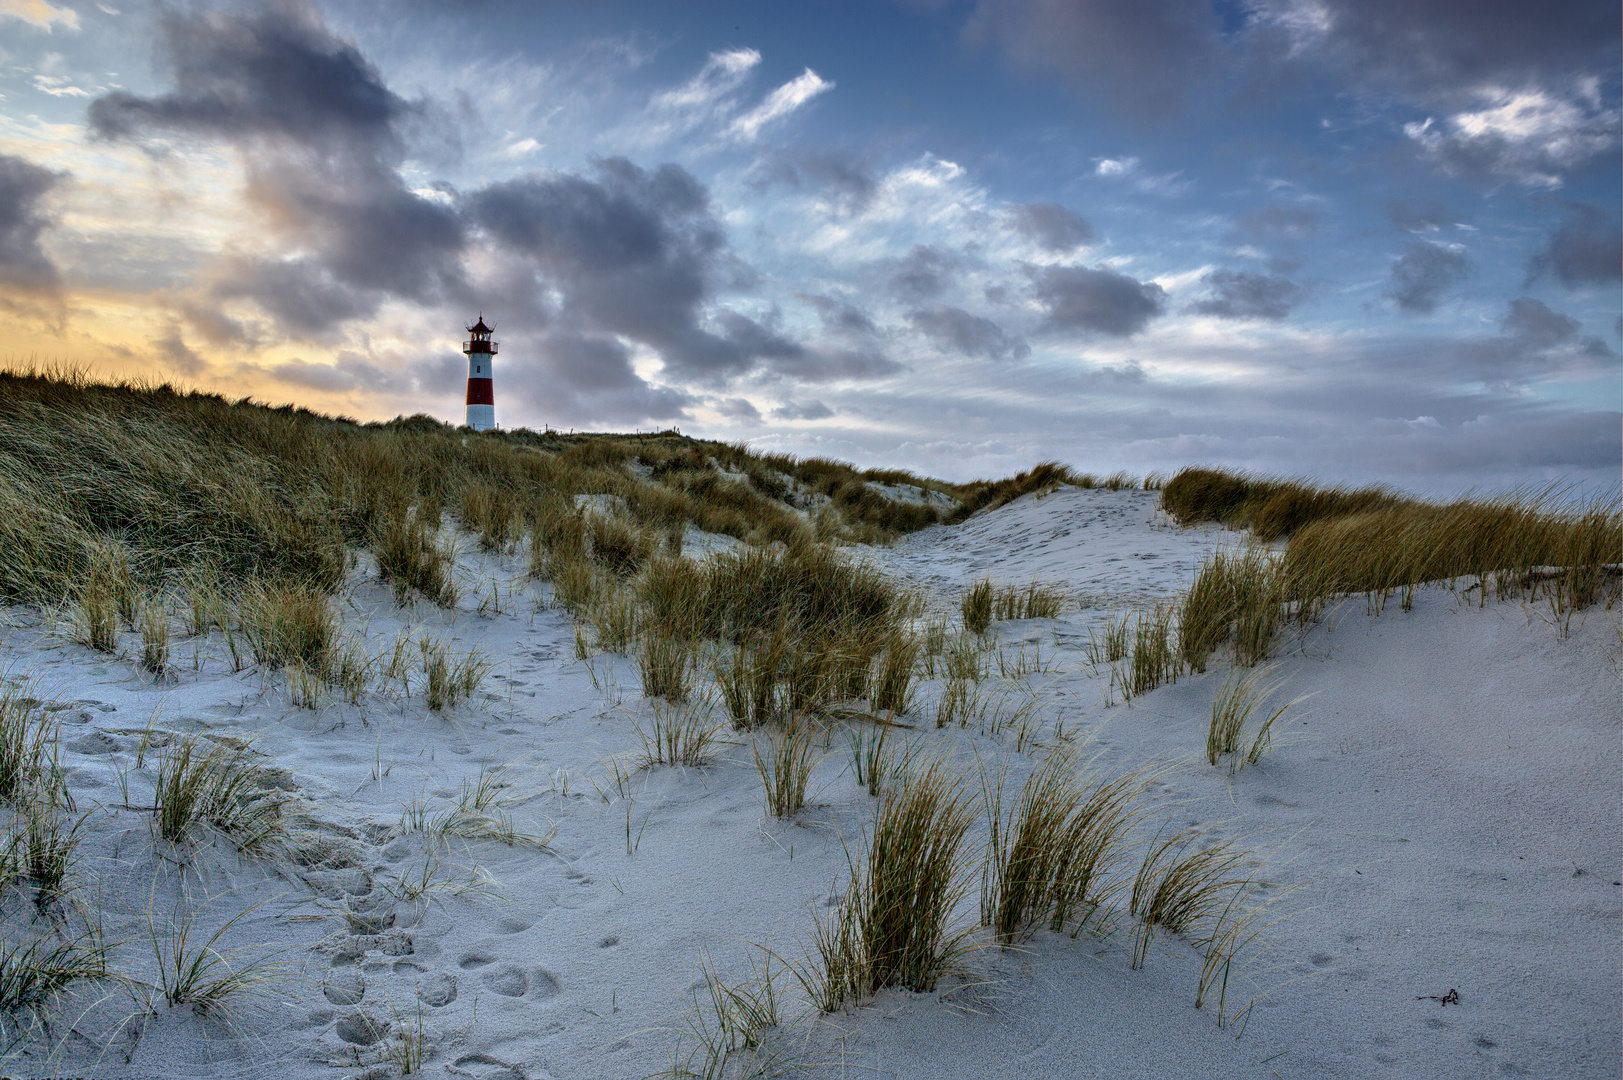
(174, 480)
(1539, 547)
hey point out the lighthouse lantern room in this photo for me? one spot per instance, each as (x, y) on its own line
(481, 351)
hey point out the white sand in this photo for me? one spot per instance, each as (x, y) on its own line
(1447, 805)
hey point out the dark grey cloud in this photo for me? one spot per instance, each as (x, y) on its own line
(1539, 151)
(632, 252)
(956, 330)
(1142, 56)
(23, 219)
(1586, 250)
(1532, 322)
(808, 410)
(322, 139)
(841, 177)
(302, 295)
(1245, 294)
(1434, 48)
(1535, 342)
(1145, 59)
(839, 316)
(832, 364)
(1051, 226)
(172, 347)
(925, 272)
(1423, 273)
(1419, 215)
(1079, 298)
(578, 378)
(739, 410)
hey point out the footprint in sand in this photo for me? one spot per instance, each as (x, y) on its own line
(508, 980)
(475, 960)
(512, 981)
(485, 1067)
(437, 992)
(344, 987)
(360, 1029)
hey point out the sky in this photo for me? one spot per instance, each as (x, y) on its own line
(1357, 241)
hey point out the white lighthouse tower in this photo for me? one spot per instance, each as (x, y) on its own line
(481, 352)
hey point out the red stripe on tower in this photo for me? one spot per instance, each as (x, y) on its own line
(481, 353)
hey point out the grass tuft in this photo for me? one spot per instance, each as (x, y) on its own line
(1181, 883)
(893, 926)
(218, 786)
(682, 734)
(154, 625)
(787, 766)
(451, 678)
(976, 608)
(665, 662)
(288, 623)
(1051, 857)
(199, 973)
(410, 560)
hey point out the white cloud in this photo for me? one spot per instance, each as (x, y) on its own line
(707, 98)
(57, 86)
(720, 76)
(781, 102)
(1531, 135)
(39, 13)
(520, 148)
(1115, 166)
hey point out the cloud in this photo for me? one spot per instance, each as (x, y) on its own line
(1586, 250)
(579, 378)
(955, 330)
(1433, 48)
(840, 316)
(303, 295)
(722, 73)
(841, 176)
(1142, 56)
(1078, 298)
(23, 219)
(39, 13)
(633, 253)
(778, 104)
(1529, 135)
(172, 347)
(1535, 342)
(739, 411)
(707, 98)
(1051, 226)
(1421, 275)
(1531, 322)
(1419, 215)
(810, 410)
(1244, 294)
(348, 372)
(322, 139)
(1146, 59)
(1280, 221)
(924, 272)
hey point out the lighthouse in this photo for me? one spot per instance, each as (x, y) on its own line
(481, 351)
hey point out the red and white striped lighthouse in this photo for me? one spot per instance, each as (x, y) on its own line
(481, 351)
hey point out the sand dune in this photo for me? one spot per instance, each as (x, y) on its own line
(1444, 807)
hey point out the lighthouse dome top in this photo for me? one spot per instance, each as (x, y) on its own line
(480, 327)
